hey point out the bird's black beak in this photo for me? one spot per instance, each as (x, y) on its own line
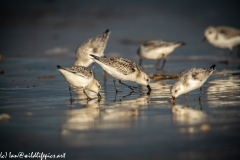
(203, 40)
(59, 67)
(173, 97)
(149, 89)
(99, 96)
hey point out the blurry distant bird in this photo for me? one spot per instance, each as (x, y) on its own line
(81, 77)
(93, 46)
(223, 37)
(157, 49)
(191, 79)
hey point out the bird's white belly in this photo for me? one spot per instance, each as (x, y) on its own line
(157, 53)
(193, 84)
(225, 43)
(118, 75)
(75, 80)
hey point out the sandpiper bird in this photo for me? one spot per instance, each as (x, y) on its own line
(157, 49)
(81, 77)
(191, 79)
(123, 69)
(93, 46)
(223, 37)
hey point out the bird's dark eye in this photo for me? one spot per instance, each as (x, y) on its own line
(175, 91)
(99, 86)
(210, 32)
(147, 79)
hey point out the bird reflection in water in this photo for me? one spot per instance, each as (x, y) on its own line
(187, 115)
(91, 116)
(191, 120)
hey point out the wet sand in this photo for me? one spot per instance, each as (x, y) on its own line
(36, 114)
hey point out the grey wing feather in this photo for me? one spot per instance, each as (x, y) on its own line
(120, 64)
(98, 43)
(195, 73)
(184, 72)
(184, 75)
(199, 74)
(153, 44)
(228, 32)
(94, 45)
(123, 65)
(80, 70)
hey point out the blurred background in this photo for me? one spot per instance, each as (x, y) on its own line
(38, 27)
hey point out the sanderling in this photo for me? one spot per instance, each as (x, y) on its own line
(156, 49)
(94, 46)
(81, 77)
(223, 37)
(123, 69)
(191, 79)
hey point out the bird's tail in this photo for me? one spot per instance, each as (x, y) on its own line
(107, 32)
(94, 57)
(212, 68)
(100, 60)
(105, 35)
(59, 67)
(180, 43)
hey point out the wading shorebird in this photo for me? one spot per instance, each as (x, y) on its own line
(81, 77)
(223, 37)
(95, 46)
(191, 79)
(157, 50)
(123, 69)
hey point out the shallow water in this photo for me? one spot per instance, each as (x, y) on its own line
(132, 125)
(41, 35)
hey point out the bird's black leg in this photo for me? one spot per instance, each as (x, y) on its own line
(114, 82)
(88, 98)
(104, 77)
(115, 96)
(200, 104)
(140, 61)
(131, 87)
(164, 61)
(186, 96)
(157, 63)
(128, 94)
(200, 94)
(70, 92)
